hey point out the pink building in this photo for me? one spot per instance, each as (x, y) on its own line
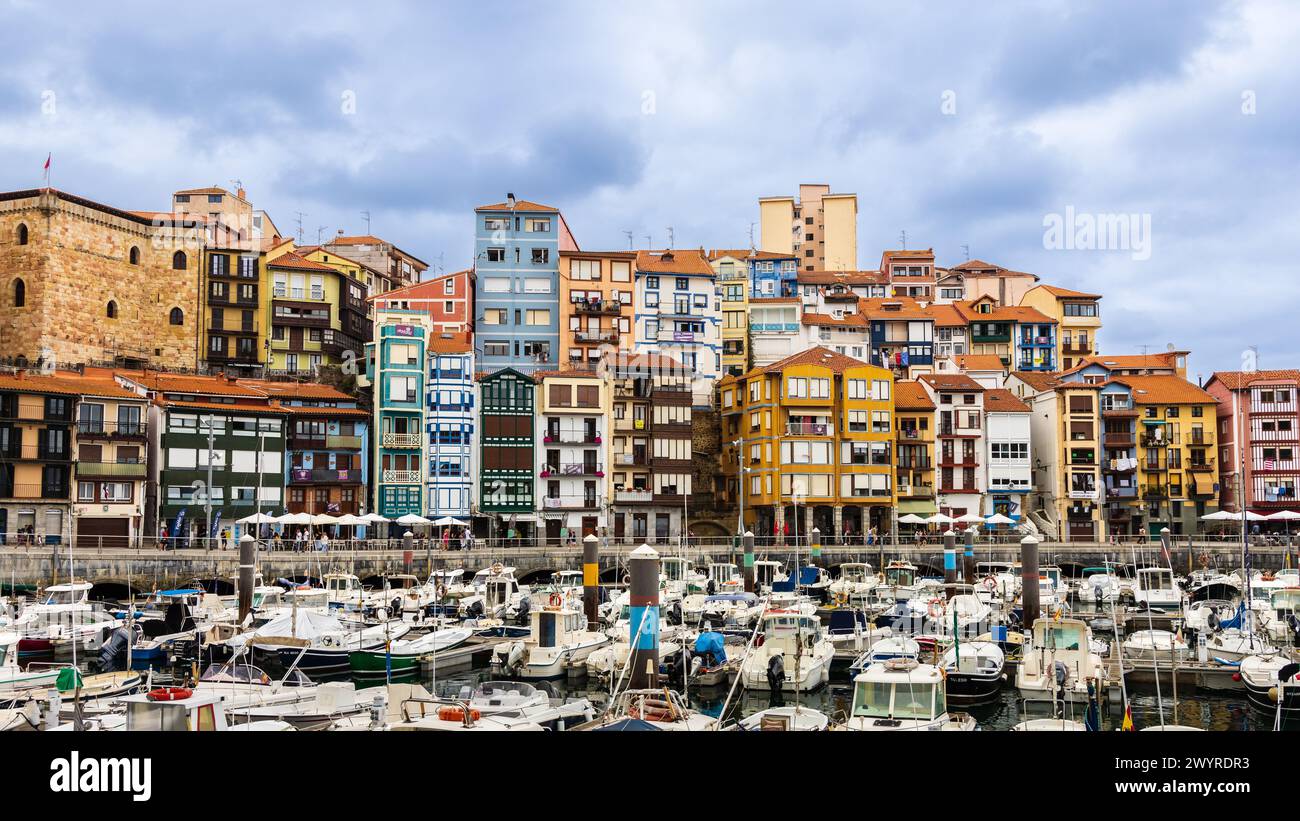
(448, 299)
(1259, 438)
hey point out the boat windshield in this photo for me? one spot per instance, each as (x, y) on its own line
(871, 699)
(1156, 579)
(854, 573)
(914, 700)
(1062, 636)
(900, 576)
(674, 569)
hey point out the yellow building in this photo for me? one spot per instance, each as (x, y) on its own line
(808, 442)
(731, 267)
(914, 449)
(1066, 430)
(1177, 475)
(818, 227)
(1078, 320)
(596, 310)
(318, 313)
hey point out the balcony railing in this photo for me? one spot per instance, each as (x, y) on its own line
(401, 477)
(34, 491)
(570, 502)
(124, 470)
(1150, 441)
(95, 429)
(335, 442)
(551, 471)
(1197, 438)
(605, 307)
(1155, 492)
(596, 336)
(625, 496)
(1205, 466)
(327, 475)
(1121, 493)
(403, 440)
(1119, 439)
(571, 438)
(809, 429)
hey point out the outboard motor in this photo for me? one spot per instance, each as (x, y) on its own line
(112, 655)
(696, 664)
(712, 587)
(776, 672)
(475, 610)
(515, 658)
(675, 614)
(395, 607)
(525, 605)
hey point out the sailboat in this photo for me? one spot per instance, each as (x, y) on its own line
(402, 657)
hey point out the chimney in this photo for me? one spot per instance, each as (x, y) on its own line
(240, 193)
(340, 232)
(510, 200)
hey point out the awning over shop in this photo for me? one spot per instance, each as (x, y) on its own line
(917, 506)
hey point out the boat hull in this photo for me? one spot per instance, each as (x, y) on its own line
(974, 688)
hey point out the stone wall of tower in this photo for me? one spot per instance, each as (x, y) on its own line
(76, 261)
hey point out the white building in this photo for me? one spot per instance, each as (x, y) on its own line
(678, 314)
(1009, 476)
(573, 444)
(450, 418)
(960, 453)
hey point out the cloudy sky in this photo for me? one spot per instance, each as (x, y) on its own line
(960, 129)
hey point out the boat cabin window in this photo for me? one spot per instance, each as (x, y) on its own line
(922, 701)
(64, 597)
(1155, 578)
(871, 699)
(854, 573)
(498, 592)
(900, 576)
(1286, 601)
(1061, 636)
(674, 571)
(153, 716)
(1053, 575)
(206, 718)
(235, 674)
(722, 572)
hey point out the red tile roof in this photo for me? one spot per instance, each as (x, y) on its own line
(850, 278)
(818, 355)
(1172, 390)
(298, 262)
(847, 321)
(894, 307)
(746, 253)
(1066, 293)
(1008, 313)
(978, 362)
(64, 383)
(909, 395)
(201, 385)
(1001, 400)
(673, 262)
(1237, 380)
(520, 205)
(1041, 380)
(950, 382)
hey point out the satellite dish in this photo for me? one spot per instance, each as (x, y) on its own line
(1169, 346)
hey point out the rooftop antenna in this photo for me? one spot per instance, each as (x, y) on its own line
(751, 236)
(648, 242)
(300, 216)
(902, 237)
(440, 269)
(670, 237)
(966, 250)
(629, 239)
(366, 214)
(239, 184)
(320, 233)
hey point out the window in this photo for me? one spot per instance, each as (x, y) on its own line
(134, 256)
(540, 316)
(20, 293)
(535, 225)
(111, 311)
(177, 317)
(540, 256)
(496, 255)
(586, 269)
(494, 316)
(449, 287)
(683, 284)
(22, 234)
(496, 285)
(620, 271)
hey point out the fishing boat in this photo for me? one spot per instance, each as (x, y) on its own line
(886, 649)
(723, 577)
(784, 719)
(855, 577)
(1059, 661)
(728, 608)
(558, 638)
(402, 657)
(505, 698)
(902, 694)
(851, 633)
(974, 670)
(766, 574)
(794, 655)
(1154, 587)
(899, 580)
(176, 709)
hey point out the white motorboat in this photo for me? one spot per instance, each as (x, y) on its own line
(723, 577)
(728, 608)
(766, 574)
(902, 694)
(1205, 615)
(899, 581)
(608, 661)
(514, 698)
(974, 671)
(13, 679)
(245, 687)
(64, 615)
(971, 615)
(497, 595)
(1098, 586)
(1059, 661)
(557, 640)
(1157, 645)
(886, 649)
(1049, 725)
(1281, 621)
(794, 655)
(1155, 587)
(855, 577)
(782, 719)
(1233, 646)
(1270, 679)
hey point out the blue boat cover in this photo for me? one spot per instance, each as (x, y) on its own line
(1234, 623)
(185, 591)
(712, 643)
(808, 575)
(842, 621)
(786, 586)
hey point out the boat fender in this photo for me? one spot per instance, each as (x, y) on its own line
(458, 714)
(170, 694)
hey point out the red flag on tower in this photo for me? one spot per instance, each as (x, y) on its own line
(47, 167)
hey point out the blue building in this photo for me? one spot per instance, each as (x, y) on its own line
(902, 335)
(1035, 335)
(451, 416)
(772, 275)
(395, 366)
(517, 248)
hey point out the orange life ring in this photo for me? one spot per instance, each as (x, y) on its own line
(936, 608)
(556, 600)
(170, 694)
(458, 714)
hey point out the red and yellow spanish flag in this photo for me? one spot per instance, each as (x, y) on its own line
(1127, 726)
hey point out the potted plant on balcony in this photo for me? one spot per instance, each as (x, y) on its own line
(598, 440)
(547, 439)
(600, 474)
(545, 472)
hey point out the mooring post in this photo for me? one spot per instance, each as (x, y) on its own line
(749, 561)
(643, 593)
(949, 563)
(968, 565)
(591, 580)
(815, 546)
(247, 566)
(1029, 583)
